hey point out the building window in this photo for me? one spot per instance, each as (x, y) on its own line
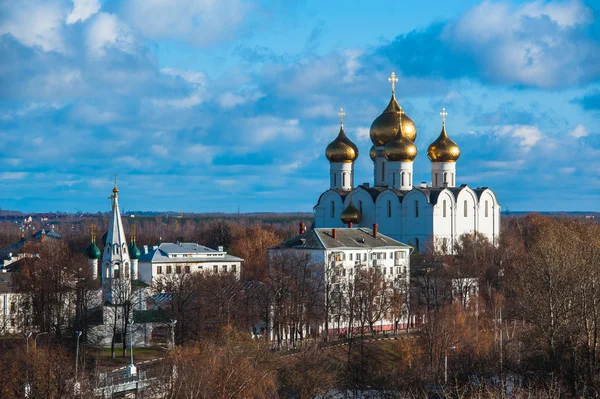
(410, 179)
(215, 269)
(334, 180)
(344, 179)
(444, 208)
(416, 209)
(13, 307)
(466, 207)
(224, 268)
(187, 269)
(486, 208)
(233, 268)
(445, 178)
(178, 269)
(383, 171)
(402, 178)
(435, 178)
(389, 208)
(201, 267)
(169, 269)
(332, 209)
(393, 179)
(351, 256)
(360, 206)
(158, 269)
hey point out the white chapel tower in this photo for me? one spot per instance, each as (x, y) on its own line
(116, 263)
(341, 153)
(443, 153)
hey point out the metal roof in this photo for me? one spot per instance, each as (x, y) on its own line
(351, 238)
(160, 254)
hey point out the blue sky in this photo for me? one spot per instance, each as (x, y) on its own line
(204, 105)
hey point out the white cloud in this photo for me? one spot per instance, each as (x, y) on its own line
(13, 175)
(363, 134)
(34, 23)
(159, 150)
(267, 127)
(230, 100)
(527, 135)
(106, 30)
(567, 170)
(82, 10)
(579, 131)
(199, 22)
(195, 77)
(532, 43)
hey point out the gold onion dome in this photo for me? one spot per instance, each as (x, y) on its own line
(351, 214)
(443, 149)
(400, 148)
(373, 153)
(384, 128)
(341, 149)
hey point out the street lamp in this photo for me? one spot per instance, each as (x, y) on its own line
(131, 369)
(451, 347)
(78, 335)
(36, 337)
(172, 326)
(27, 334)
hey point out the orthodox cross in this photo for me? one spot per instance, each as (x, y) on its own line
(93, 231)
(393, 80)
(342, 114)
(444, 114)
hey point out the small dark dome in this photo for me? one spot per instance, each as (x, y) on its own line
(134, 252)
(92, 251)
(351, 214)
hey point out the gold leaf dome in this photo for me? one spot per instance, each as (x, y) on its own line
(443, 149)
(384, 128)
(341, 149)
(373, 153)
(351, 214)
(400, 148)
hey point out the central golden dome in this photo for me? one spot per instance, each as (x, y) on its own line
(443, 149)
(351, 214)
(342, 149)
(400, 148)
(384, 128)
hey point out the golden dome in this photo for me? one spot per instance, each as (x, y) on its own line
(443, 149)
(341, 149)
(373, 153)
(384, 128)
(400, 149)
(351, 214)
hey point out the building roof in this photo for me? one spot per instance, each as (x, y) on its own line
(35, 237)
(348, 238)
(6, 283)
(199, 253)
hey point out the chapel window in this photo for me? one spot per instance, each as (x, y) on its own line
(334, 180)
(403, 178)
(416, 209)
(444, 208)
(343, 179)
(158, 269)
(383, 171)
(486, 208)
(169, 269)
(466, 207)
(332, 206)
(389, 208)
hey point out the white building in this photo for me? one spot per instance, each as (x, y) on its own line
(180, 258)
(11, 308)
(340, 253)
(414, 213)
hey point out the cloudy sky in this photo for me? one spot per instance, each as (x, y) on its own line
(207, 105)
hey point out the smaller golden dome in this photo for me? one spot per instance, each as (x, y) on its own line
(351, 214)
(443, 149)
(400, 148)
(341, 149)
(373, 153)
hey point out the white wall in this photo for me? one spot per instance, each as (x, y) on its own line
(390, 226)
(489, 225)
(323, 210)
(359, 195)
(420, 227)
(341, 175)
(443, 226)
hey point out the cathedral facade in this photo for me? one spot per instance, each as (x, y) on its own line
(420, 214)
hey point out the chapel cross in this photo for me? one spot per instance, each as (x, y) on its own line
(444, 114)
(342, 114)
(393, 80)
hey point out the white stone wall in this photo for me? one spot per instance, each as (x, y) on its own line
(341, 175)
(149, 272)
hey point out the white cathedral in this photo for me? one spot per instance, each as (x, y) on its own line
(438, 212)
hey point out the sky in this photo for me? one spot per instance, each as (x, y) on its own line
(211, 105)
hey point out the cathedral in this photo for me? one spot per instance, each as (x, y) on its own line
(420, 214)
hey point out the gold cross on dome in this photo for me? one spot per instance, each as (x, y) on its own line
(393, 80)
(444, 114)
(342, 114)
(115, 175)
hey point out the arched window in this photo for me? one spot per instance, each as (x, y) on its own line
(332, 209)
(410, 179)
(382, 171)
(116, 271)
(465, 206)
(444, 208)
(360, 206)
(402, 178)
(416, 209)
(389, 208)
(435, 178)
(486, 208)
(343, 179)
(334, 180)
(393, 179)
(445, 178)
